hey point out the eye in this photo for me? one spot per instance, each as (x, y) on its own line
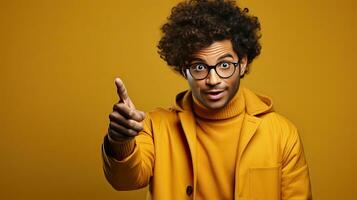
(224, 65)
(199, 67)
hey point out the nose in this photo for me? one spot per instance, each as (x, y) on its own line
(213, 78)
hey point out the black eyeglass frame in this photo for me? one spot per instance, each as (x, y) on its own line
(235, 64)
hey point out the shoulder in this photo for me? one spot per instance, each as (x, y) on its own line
(161, 121)
(160, 115)
(277, 119)
(277, 128)
(278, 124)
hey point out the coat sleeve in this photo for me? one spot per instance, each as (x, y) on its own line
(134, 171)
(295, 183)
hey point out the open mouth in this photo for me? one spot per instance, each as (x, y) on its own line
(214, 95)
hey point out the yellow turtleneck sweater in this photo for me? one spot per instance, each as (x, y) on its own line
(217, 142)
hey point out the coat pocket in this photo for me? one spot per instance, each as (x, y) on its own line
(265, 183)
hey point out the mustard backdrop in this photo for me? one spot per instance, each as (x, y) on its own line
(58, 61)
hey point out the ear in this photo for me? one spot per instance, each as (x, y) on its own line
(243, 65)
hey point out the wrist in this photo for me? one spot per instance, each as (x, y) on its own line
(120, 148)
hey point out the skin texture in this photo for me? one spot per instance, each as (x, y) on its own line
(125, 120)
(223, 89)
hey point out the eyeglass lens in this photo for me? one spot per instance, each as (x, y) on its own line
(201, 70)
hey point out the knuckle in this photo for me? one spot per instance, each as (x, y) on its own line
(131, 132)
(112, 132)
(140, 127)
(111, 124)
(137, 115)
(112, 116)
(115, 134)
(131, 123)
(140, 115)
(131, 113)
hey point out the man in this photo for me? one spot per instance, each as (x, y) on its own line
(220, 140)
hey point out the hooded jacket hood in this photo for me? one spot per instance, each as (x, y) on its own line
(255, 104)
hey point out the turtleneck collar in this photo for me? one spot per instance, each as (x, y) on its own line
(234, 108)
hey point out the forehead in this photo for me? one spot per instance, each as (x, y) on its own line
(216, 50)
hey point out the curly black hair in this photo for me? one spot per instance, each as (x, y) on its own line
(196, 24)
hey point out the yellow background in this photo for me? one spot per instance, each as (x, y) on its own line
(58, 61)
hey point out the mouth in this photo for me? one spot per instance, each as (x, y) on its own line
(214, 95)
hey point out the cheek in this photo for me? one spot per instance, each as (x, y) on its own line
(195, 86)
(233, 84)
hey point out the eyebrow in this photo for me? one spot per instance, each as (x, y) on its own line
(227, 55)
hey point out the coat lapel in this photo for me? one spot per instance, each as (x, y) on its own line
(249, 128)
(189, 128)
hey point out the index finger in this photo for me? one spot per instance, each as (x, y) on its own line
(121, 90)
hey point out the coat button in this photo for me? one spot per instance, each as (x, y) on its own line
(189, 190)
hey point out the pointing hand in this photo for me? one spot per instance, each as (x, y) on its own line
(125, 121)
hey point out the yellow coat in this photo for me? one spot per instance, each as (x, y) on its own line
(270, 164)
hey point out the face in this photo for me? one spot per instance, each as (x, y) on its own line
(214, 92)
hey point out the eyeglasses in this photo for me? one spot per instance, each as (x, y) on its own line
(200, 71)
